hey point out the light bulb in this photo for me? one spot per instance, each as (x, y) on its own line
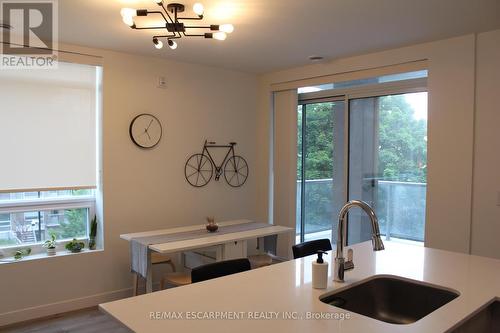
(220, 35)
(158, 43)
(172, 44)
(128, 12)
(227, 28)
(198, 9)
(128, 20)
(158, 1)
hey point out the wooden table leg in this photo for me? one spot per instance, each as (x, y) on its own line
(149, 275)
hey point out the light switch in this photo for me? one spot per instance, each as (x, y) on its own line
(162, 82)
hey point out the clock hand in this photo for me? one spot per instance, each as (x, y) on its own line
(148, 135)
(149, 125)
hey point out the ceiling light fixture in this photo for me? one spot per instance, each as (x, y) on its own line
(173, 23)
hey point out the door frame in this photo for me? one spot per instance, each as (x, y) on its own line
(345, 95)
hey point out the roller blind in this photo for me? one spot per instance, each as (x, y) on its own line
(48, 128)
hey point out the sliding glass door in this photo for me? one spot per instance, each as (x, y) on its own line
(320, 167)
(388, 164)
(367, 146)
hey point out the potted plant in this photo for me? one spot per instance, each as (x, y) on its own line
(20, 254)
(75, 246)
(50, 245)
(93, 233)
(211, 225)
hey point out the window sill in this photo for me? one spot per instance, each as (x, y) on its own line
(43, 256)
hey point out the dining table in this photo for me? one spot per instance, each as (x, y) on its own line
(230, 242)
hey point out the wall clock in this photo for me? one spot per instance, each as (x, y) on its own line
(145, 131)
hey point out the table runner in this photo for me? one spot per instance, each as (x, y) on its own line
(139, 246)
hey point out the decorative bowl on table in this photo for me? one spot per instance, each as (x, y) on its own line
(211, 225)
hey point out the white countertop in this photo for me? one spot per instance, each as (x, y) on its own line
(286, 287)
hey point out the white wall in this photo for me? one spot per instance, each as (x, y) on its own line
(144, 189)
(450, 132)
(486, 192)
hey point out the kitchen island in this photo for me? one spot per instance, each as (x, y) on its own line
(280, 297)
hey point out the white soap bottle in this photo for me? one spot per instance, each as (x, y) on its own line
(320, 272)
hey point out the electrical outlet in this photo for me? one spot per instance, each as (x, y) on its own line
(162, 82)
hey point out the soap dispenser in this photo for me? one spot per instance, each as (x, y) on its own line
(320, 272)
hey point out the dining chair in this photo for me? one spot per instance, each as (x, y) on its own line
(219, 269)
(311, 247)
(266, 253)
(206, 272)
(156, 259)
(176, 278)
(260, 260)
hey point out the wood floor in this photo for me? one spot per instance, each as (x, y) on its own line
(81, 321)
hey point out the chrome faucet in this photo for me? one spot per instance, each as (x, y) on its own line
(340, 264)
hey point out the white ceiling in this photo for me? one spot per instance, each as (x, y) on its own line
(277, 34)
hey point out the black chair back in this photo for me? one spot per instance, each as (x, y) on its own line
(218, 269)
(312, 247)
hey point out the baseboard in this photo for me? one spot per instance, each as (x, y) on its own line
(12, 317)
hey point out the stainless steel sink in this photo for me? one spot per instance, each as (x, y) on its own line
(391, 299)
(485, 320)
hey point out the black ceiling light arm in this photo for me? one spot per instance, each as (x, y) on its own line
(171, 36)
(147, 28)
(191, 18)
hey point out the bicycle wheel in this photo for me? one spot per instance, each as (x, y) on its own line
(198, 170)
(236, 171)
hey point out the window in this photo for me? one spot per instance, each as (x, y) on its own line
(27, 220)
(49, 134)
(367, 142)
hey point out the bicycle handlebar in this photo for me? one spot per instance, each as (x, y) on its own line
(215, 143)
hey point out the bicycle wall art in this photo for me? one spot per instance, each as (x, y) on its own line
(200, 168)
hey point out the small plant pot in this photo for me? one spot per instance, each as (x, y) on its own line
(51, 252)
(92, 244)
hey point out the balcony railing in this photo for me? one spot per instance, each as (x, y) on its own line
(400, 207)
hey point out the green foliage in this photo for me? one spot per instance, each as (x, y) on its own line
(20, 254)
(74, 224)
(50, 243)
(402, 154)
(93, 233)
(93, 227)
(75, 246)
(403, 149)
(318, 141)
